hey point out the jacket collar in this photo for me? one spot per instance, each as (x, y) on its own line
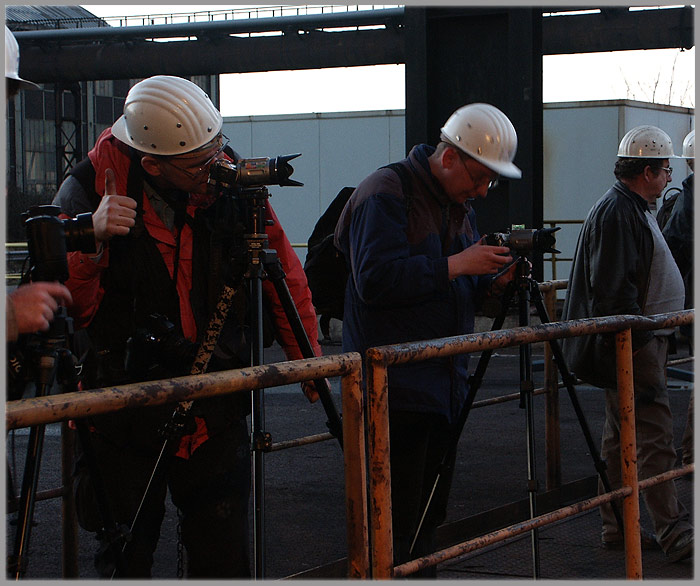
(637, 199)
(418, 159)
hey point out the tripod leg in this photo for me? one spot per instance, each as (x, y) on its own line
(17, 564)
(475, 381)
(257, 432)
(112, 535)
(526, 390)
(277, 276)
(569, 381)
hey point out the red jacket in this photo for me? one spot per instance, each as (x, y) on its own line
(85, 273)
(86, 289)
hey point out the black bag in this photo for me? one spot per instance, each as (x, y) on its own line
(669, 200)
(325, 266)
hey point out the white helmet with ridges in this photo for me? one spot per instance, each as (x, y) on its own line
(12, 61)
(166, 115)
(485, 134)
(646, 142)
(689, 145)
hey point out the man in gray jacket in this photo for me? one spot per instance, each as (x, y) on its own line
(622, 265)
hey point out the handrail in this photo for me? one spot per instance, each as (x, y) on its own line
(369, 503)
(44, 410)
(379, 358)
(62, 407)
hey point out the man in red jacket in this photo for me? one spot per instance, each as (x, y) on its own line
(166, 247)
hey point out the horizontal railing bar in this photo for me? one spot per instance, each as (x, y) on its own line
(62, 407)
(443, 347)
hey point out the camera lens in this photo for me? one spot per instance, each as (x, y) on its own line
(80, 234)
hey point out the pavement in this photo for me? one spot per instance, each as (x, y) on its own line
(304, 494)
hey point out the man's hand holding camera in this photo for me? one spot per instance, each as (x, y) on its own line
(116, 214)
(478, 259)
(33, 305)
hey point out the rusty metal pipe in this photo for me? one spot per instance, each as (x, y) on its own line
(628, 449)
(508, 532)
(443, 347)
(378, 360)
(302, 441)
(666, 476)
(381, 534)
(355, 475)
(552, 432)
(42, 410)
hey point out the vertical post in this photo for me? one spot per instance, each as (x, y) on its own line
(551, 409)
(355, 474)
(628, 449)
(69, 519)
(381, 535)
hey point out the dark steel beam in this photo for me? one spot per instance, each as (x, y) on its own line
(618, 29)
(306, 22)
(138, 59)
(125, 52)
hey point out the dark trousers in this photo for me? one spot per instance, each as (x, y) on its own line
(418, 444)
(211, 489)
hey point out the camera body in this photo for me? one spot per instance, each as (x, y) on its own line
(522, 240)
(252, 172)
(49, 239)
(159, 343)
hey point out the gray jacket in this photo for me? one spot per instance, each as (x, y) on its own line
(609, 276)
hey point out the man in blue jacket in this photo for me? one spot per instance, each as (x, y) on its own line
(418, 271)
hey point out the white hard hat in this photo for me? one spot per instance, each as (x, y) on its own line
(166, 115)
(485, 134)
(646, 142)
(689, 145)
(12, 61)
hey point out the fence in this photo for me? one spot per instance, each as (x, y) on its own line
(378, 359)
(368, 504)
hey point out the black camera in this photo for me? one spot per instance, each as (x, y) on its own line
(158, 343)
(49, 239)
(252, 172)
(523, 240)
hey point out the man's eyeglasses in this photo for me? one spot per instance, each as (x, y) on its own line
(220, 144)
(668, 170)
(492, 183)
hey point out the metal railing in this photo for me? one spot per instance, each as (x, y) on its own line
(377, 362)
(63, 407)
(367, 481)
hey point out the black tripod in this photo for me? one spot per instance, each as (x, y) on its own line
(264, 263)
(528, 292)
(53, 363)
(261, 263)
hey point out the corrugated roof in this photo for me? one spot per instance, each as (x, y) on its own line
(20, 17)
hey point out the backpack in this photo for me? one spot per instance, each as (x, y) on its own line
(325, 267)
(669, 200)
